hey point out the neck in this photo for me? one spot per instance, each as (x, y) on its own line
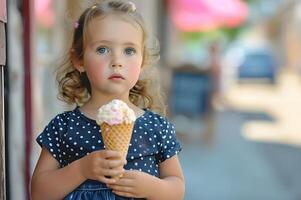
(97, 100)
(90, 108)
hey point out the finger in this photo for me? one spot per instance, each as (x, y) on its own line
(123, 182)
(112, 154)
(124, 194)
(106, 180)
(113, 172)
(115, 163)
(130, 174)
(110, 164)
(122, 188)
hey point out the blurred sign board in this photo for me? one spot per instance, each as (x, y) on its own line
(190, 92)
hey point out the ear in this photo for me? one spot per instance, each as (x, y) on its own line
(77, 63)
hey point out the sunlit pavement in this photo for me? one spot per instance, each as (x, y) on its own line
(282, 102)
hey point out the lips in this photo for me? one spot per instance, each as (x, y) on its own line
(116, 76)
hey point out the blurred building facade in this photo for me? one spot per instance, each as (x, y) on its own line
(50, 43)
(3, 20)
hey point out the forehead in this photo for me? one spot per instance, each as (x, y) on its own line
(115, 28)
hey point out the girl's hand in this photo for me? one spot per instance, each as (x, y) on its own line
(134, 184)
(99, 165)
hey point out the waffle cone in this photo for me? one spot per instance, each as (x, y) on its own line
(117, 137)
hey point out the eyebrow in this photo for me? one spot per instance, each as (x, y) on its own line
(110, 42)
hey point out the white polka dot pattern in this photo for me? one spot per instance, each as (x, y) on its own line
(71, 135)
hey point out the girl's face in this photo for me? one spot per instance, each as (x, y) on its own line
(113, 55)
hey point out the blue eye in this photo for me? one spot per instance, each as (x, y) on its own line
(102, 50)
(129, 51)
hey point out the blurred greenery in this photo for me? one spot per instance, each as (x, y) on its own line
(228, 33)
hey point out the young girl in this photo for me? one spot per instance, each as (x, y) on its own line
(108, 54)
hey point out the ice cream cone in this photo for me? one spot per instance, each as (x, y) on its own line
(117, 137)
(116, 121)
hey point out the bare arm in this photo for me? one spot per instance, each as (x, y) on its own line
(50, 182)
(171, 184)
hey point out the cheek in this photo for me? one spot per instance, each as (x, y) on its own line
(95, 76)
(135, 70)
(96, 71)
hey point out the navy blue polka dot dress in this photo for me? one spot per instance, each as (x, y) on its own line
(71, 136)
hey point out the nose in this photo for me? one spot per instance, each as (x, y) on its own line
(116, 65)
(116, 61)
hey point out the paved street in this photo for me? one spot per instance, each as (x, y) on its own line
(233, 168)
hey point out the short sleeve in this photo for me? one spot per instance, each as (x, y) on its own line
(170, 145)
(50, 137)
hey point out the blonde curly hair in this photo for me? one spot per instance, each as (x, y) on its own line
(73, 91)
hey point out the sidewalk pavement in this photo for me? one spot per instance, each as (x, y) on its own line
(281, 101)
(234, 168)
